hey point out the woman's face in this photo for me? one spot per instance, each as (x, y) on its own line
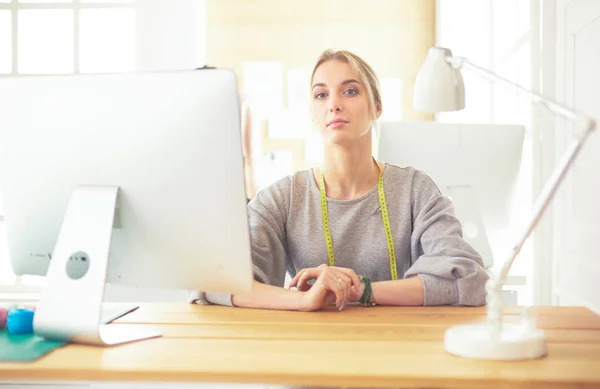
(340, 103)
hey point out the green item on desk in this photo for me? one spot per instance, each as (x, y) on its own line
(24, 347)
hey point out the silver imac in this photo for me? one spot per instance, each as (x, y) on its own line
(134, 179)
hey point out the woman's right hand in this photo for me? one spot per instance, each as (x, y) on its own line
(327, 289)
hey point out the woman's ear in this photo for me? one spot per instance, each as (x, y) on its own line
(378, 111)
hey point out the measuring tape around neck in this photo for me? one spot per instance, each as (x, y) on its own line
(384, 216)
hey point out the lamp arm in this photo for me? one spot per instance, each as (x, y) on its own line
(543, 200)
(461, 62)
(584, 122)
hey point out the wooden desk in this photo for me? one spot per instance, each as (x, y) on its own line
(358, 347)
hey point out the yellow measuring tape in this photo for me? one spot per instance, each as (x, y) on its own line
(384, 216)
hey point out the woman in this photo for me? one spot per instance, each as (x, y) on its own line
(357, 227)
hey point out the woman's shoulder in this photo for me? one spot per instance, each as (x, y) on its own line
(411, 177)
(289, 182)
(279, 192)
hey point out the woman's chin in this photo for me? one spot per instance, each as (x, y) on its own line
(341, 138)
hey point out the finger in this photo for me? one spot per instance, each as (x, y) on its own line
(303, 284)
(296, 278)
(355, 279)
(330, 286)
(341, 291)
(346, 282)
(329, 298)
(342, 280)
(307, 275)
(352, 274)
(305, 288)
(343, 276)
(303, 276)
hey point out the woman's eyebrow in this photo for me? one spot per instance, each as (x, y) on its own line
(350, 81)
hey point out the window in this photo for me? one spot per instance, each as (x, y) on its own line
(499, 38)
(62, 37)
(67, 36)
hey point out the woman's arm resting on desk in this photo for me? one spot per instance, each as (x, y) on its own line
(408, 291)
(450, 269)
(325, 291)
(268, 297)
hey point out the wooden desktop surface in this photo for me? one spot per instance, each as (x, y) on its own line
(387, 347)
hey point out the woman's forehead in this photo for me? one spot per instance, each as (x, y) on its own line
(333, 72)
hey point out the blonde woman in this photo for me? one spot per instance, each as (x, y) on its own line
(356, 229)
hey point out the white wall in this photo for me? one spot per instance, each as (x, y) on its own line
(171, 34)
(576, 57)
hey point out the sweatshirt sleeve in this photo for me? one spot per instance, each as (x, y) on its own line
(451, 270)
(267, 216)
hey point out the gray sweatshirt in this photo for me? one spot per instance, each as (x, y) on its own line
(286, 231)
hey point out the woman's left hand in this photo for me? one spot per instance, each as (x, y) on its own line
(349, 276)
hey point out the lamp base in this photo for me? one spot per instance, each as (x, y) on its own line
(482, 341)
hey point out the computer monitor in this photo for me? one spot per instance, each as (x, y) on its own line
(477, 165)
(143, 168)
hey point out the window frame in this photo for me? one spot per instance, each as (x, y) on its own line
(76, 5)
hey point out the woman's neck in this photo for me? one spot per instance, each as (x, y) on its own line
(349, 172)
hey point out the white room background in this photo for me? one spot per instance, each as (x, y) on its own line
(515, 38)
(72, 36)
(573, 58)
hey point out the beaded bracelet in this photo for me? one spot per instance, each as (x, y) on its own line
(367, 299)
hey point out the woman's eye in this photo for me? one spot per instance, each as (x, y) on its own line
(320, 95)
(351, 91)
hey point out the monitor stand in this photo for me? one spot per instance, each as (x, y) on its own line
(71, 302)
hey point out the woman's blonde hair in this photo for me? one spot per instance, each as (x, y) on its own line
(365, 73)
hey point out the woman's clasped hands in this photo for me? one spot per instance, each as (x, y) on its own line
(331, 284)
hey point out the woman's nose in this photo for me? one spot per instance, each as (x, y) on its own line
(335, 105)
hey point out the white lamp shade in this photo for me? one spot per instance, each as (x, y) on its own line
(439, 87)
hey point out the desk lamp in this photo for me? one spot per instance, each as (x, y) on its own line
(439, 87)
